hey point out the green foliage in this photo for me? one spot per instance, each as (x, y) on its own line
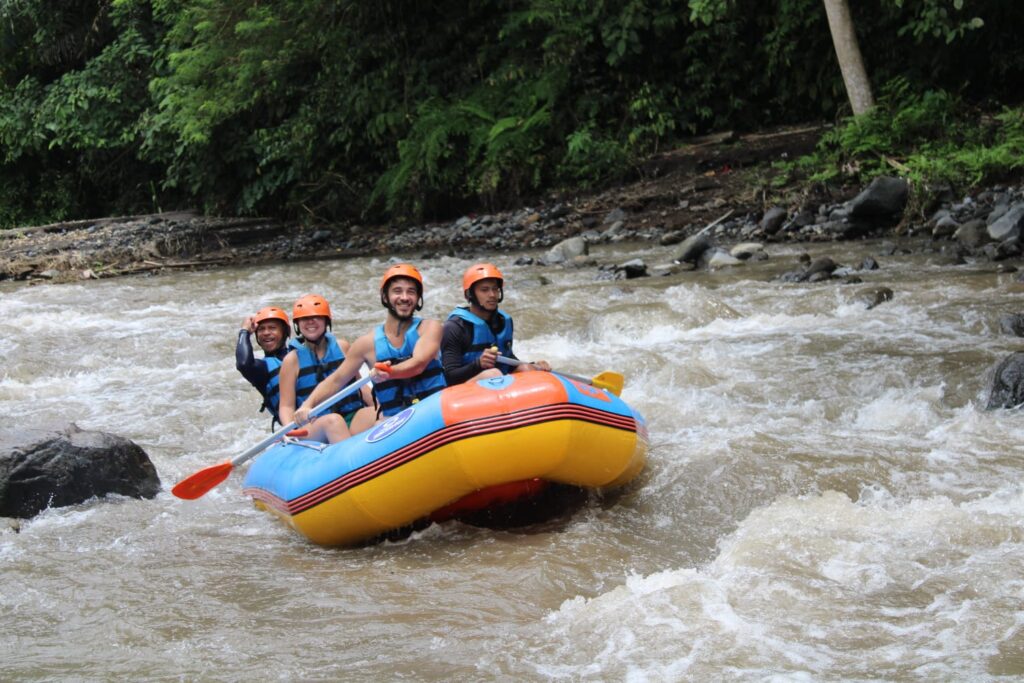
(941, 19)
(66, 123)
(395, 110)
(928, 137)
(591, 158)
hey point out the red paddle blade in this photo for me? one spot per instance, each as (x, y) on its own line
(198, 484)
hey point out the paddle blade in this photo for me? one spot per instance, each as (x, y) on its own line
(198, 484)
(612, 381)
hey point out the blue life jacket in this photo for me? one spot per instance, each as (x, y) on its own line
(485, 338)
(313, 370)
(272, 392)
(394, 395)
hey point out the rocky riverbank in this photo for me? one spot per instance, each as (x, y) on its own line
(709, 205)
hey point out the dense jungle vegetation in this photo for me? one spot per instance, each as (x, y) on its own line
(393, 110)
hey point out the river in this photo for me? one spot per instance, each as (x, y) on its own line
(825, 496)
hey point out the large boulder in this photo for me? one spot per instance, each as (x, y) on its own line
(1008, 383)
(1008, 226)
(54, 467)
(692, 248)
(772, 220)
(885, 197)
(567, 250)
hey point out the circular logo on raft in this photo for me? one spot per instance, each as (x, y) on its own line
(390, 425)
(496, 383)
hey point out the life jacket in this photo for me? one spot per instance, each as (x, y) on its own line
(394, 395)
(272, 392)
(484, 337)
(313, 370)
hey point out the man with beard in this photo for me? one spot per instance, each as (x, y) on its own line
(475, 335)
(402, 353)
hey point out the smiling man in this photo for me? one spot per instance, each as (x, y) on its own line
(272, 330)
(402, 353)
(475, 335)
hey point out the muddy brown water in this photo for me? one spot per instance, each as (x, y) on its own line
(825, 496)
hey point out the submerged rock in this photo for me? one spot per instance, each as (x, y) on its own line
(1008, 383)
(1012, 324)
(875, 296)
(41, 468)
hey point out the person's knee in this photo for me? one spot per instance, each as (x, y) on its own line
(332, 420)
(363, 420)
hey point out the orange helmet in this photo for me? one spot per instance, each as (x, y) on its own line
(400, 270)
(272, 313)
(309, 306)
(478, 272)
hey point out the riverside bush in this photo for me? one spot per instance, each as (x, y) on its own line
(931, 138)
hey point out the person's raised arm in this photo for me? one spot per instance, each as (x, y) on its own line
(253, 370)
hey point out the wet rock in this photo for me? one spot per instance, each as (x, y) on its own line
(719, 258)
(1012, 324)
(567, 250)
(823, 265)
(875, 296)
(50, 467)
(746, 250)
(945, 227)
(772, 220)
(817, 271)
(885, 197)
(1008, 383)
(972, 234)
(869, 264)
(692, 248)
(632, 269)
(1008, 226)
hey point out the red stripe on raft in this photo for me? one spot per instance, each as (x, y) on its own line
(434, 440)
(449, 435)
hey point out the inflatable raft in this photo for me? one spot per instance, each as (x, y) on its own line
(495, 436)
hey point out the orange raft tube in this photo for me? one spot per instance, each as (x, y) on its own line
(453, 449)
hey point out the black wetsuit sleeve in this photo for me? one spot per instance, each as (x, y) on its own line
(252, 369)
(455, 339)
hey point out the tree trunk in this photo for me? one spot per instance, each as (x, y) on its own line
(858, 87)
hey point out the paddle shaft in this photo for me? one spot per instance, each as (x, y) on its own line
(515, 361)
(324, 405)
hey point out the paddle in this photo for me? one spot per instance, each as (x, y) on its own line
(201, 482)
(612, 381)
